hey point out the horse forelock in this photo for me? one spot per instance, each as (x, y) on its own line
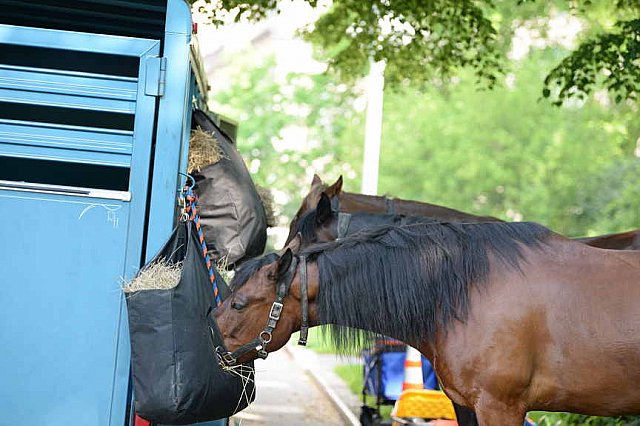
(408, 281)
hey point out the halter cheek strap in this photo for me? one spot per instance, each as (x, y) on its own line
(391, 205)
(304, 302)
(344, 220)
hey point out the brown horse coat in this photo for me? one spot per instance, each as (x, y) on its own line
(560, 332)
(360, 203)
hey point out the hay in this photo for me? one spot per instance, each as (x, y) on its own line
(222, 265)
(267, 201)
(245, 372)
(203, 150)
(160, 275)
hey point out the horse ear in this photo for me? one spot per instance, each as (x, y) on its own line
(335, 189)
(316, 180)
(323, 210)
(295, 244)
(284, 262)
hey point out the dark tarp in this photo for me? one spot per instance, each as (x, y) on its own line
(231, 212)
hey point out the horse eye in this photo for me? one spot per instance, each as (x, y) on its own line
(238, 306)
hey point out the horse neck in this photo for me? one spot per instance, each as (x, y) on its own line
(351, 202)
(313, 286)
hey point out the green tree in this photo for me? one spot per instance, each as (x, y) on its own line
(427, 41)
(505, 154)
(270, 111)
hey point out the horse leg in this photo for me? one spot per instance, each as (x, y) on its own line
(492, 412)
(465, 416)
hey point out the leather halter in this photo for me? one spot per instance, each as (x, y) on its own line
(344, 219)
(260, 343)
(391, 205)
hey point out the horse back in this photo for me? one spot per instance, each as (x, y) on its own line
(561, 332)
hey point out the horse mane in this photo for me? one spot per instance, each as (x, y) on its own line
(249, 268)
(408, 281)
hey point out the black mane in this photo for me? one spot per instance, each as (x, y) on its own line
(249, 268)
(406, 281)
(306, 226)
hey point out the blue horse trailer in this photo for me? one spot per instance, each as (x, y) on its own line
(95, 113)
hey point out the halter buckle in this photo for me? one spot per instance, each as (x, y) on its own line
(276, 310)
(226, 356)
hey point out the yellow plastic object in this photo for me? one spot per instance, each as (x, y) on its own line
(425, 404)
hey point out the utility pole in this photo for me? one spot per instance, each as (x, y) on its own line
(373, 128)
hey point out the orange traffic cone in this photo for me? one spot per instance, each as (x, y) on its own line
(413, 370)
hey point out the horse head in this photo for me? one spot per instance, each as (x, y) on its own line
(310, 201)
(325, 223)
(264, 308)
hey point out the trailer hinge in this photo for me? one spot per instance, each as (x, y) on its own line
(155, 76)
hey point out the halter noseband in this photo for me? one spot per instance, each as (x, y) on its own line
(260, 343)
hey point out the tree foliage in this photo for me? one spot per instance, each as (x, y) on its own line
(314, 112)
(610, 60)
(427, 41)
(501, 153)
(419, 40)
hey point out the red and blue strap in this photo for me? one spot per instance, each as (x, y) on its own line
(192, 213)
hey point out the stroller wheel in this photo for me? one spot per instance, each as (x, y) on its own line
(369, 416)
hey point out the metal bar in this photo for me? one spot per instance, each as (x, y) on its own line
(95, 14)
(41, 98)
(68, 83)
(96, 130)
(65, 190)
(66, 155)
(67, 40)
(65, 140)
(119, 3)
(68, 73)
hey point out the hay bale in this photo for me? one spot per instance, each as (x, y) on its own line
(203, 150)
(267, 201)
(160, 275)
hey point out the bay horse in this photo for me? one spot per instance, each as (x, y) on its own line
(512, 316)
(324, 224)
(348, 202)
(352, 202)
